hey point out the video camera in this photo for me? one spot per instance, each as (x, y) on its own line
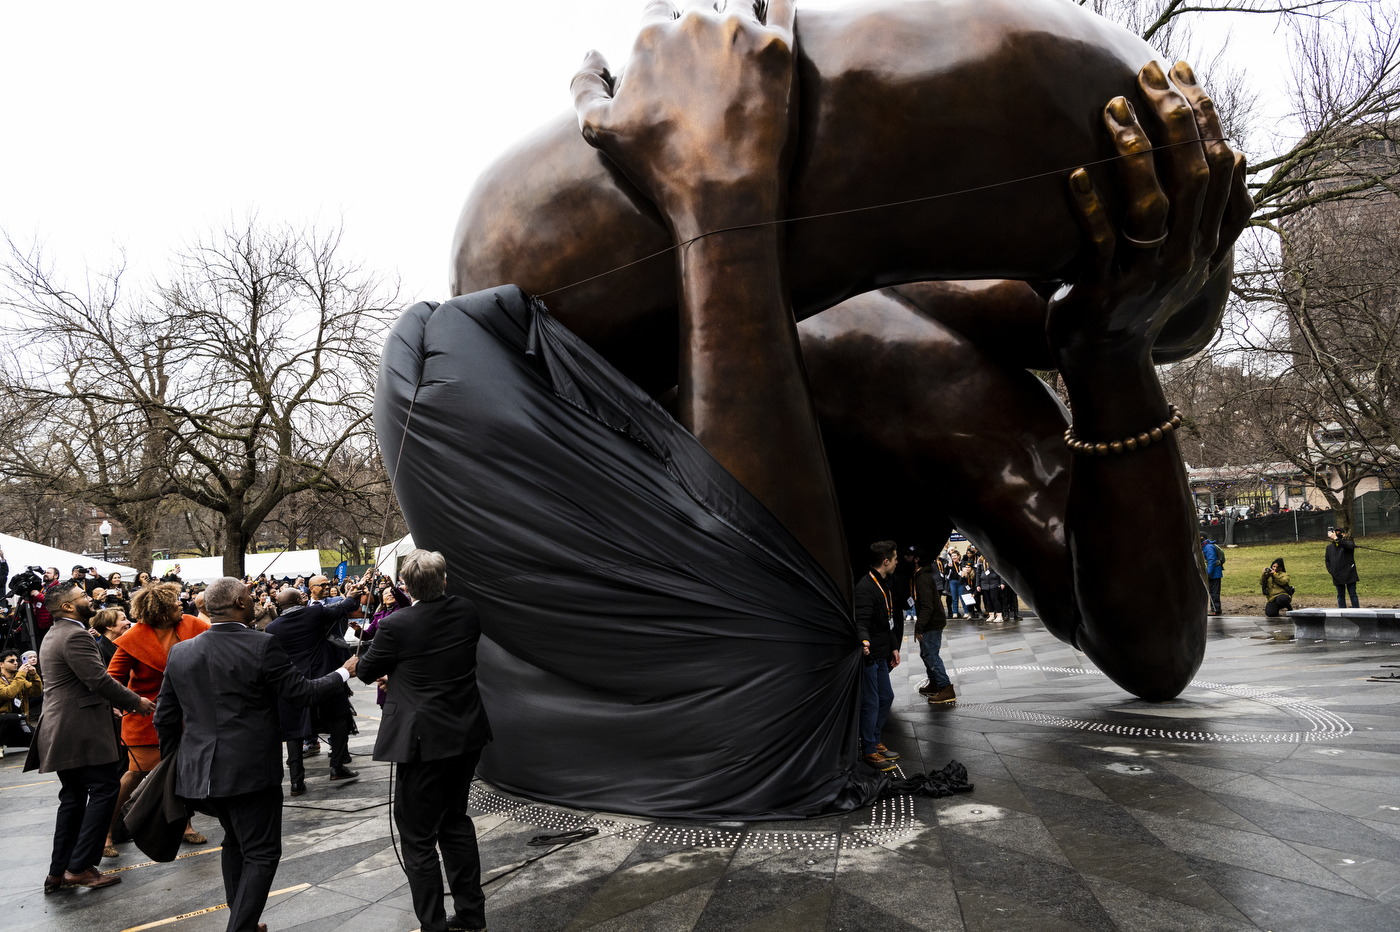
(20, 629)
(21, 584)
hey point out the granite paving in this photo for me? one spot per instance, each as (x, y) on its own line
(1267, 796)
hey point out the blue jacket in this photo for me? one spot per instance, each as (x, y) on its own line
(1215, 560)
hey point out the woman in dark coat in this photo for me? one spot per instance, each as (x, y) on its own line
(989, 586)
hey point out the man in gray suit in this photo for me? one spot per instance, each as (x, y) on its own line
(75, 738)
(218, 706)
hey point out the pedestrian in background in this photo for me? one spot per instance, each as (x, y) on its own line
(1341, 565)
(928, 631)
(1215, 569)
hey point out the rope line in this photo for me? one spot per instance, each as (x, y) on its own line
(857, 210)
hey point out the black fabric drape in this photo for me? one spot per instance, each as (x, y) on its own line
(654, 640)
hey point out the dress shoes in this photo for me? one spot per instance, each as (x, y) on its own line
(343, 773)
(53, 883)
(459, 925)
(298, 787)
(91, 878)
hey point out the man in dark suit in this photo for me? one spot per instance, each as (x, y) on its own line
(303, 630)
(225, 688)
(433, 728)
(75, 737)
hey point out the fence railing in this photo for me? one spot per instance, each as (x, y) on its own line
(1372, 513)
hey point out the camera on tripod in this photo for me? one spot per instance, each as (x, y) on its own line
(32, 579)
(20, 630)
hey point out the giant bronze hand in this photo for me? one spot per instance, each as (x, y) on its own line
(897, 100)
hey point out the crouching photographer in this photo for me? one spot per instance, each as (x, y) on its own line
(1274, 584)
(19, 682)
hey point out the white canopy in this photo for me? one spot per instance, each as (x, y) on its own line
(386, 558)
(20, 553)
(291, 563)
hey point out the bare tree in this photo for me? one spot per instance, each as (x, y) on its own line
(239, 380)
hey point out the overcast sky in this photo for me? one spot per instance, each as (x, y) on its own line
(139, 125)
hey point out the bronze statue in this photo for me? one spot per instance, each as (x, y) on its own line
(724, 120)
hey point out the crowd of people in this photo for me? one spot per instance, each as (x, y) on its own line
(217, 680)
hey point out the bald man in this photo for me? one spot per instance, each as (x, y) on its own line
(303, 629)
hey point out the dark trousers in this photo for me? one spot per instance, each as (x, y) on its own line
(1276, 604)
(339, 756)
(1213, 586)
(876, 697)
(933, 664)
(85, 806)
(252, 824)
(14, 731)
(1348, 589)
(430, 805)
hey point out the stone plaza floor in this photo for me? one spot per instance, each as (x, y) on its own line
(1266, 797)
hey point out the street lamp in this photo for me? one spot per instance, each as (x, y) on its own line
(105, 529)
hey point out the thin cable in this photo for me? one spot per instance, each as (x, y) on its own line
(857, 210)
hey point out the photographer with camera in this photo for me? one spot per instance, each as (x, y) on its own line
(1274, 584)
(31, 587)
(19, 682)
(1341, 566)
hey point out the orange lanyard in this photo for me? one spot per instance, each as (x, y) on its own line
(889, 606)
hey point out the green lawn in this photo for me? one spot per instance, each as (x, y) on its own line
(1379, 571)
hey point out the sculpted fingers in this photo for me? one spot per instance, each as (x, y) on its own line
(1093, 220)
(1183, 159)
(744, 9)
(659, 12)
(592, 87)
(1238, 208)
(1220, 159)
(1145, 225)
(781, 14)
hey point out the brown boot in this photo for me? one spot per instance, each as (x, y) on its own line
(946, 694)
(886, 753)
(879, 762)
(92, 878)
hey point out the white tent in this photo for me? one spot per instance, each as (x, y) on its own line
(291, 563)
(386, 558)
(20, 553)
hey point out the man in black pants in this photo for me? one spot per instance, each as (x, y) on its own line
(76, 740)
(303, 631)
(224, 690)
(434, 728)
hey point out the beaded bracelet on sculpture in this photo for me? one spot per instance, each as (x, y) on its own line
(1146, 438)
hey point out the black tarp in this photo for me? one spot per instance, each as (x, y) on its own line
(654, 640)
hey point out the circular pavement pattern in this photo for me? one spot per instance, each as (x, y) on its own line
(1325, 725)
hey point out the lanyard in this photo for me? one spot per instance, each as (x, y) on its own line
(889, 606)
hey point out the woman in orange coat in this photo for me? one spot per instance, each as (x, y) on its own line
(139, 665)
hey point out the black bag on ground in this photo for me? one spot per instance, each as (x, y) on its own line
(951, 779)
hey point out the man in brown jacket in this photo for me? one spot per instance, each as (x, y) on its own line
(76, 739)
